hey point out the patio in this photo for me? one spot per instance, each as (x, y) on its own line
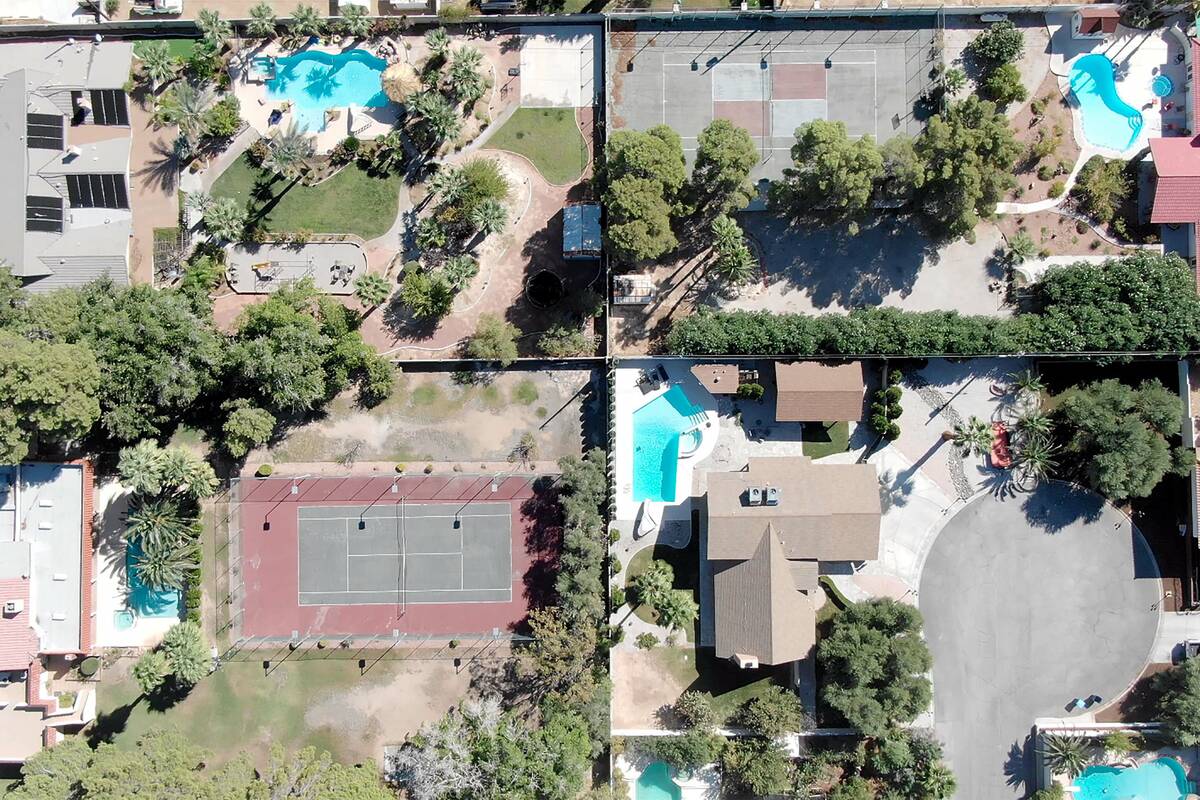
(262, 269)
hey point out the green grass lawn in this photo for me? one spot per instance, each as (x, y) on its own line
(730, 687)
(825, 438)
(239, 709)
(179, 48)
(549, 138)
(350, 202)
(685, 563)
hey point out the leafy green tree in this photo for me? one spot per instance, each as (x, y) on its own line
(695, 709)
(1067, 755)
(720, 181)
(151, 671)
(1003, 85)
(356, 21)
(687, 752)
(953, 81)
(372, 289)
(643, 176)
(852, 788)
(157, 63)
(309, 774)
(875, 663)
(306, 21)
(831, 173)
(225, 220)
(438, 42)
(493, 340)
(1021, 248)
(584, 491)
(213, 29)
(969, 152)
(186, 653)
(910, 764)
(247, 426)
(1102, 187)
(1120, 432)
(1001, 43)
(773, 713)
(262, 24)
(1053, 792)
(48, 392)
(565, 341)
(903, 169)
(12, 297)
(757, 766)
(426, 295)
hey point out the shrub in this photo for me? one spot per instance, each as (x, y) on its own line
(1045, 172)
(695, 709)
(1120, 742)
(614, 565)
(1056, 189)
(618, 597)
(999, 44)
(428, 468)
(646, 641)
(264, 471)
(1003, 85)
(750, 391)
(224, 118)
(1102, 187)
(89, 666)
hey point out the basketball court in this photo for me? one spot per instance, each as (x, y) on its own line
(770, 78)
(561, 69)
(337, 556)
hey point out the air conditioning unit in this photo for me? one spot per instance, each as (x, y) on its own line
(13, 607)
(755, 496)
(772, 493)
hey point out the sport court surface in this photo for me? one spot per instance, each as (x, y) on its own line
(440, 555)
(770, 80)
(561, 69)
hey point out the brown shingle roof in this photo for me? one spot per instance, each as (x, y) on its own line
(826, 512)
(758, 611)
(717, 378)
(810, 391)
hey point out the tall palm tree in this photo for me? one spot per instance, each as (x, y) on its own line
(1034, 423)
(372, 289)
(973, 437)
(213, 29)
(262, 24)
(289, 152)
(306, 21)
(140, 467)
(1066, 754)
(157, 523)
(1028, 381)
(225, 219)
(736, 265)
(356, 21)
(465, 80)
(1021, 248)
(459, 271)
(389, 156)
(677, 610)
(1036, 458)
(158, 64)
(441, 120)
(186, 473)
(488, 217)
(186, 107)
(448, 183)
(438, 42)
(167, 567)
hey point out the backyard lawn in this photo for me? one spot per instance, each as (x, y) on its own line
(730, 686)
(178, 48)
(350, 202)
(685, 562)
(550, 138)
(825, 438)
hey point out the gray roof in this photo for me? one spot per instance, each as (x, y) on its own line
(83, 65)
(826, 512)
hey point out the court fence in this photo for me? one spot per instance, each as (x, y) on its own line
(366, 650)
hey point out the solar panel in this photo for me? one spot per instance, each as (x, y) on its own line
(109, 108)
(97, 191)
(43, 214)
(44, 131)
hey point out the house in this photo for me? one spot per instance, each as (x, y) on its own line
(46, 620)
(771, 530)
(717, 378)
(65, 141)
(813, 391)
(1177, 191)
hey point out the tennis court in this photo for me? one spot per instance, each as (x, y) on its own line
(379, 555)
(770, 78)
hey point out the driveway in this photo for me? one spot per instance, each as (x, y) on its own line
(1029, 602)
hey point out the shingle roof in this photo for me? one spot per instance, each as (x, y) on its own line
(717, 378)
(826, 512)
(1177, 194)
(810, 391)
(758, 611)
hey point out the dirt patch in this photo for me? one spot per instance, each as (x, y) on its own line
(641, 689)
(1058, 235)
(1037, 171)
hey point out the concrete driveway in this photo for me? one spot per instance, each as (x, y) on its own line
(1029, 602)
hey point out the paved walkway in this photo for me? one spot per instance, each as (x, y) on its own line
(153, 189)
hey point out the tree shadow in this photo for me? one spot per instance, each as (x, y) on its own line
(162, 170)
(1017, 762)
(1066, 504)
(400, 322)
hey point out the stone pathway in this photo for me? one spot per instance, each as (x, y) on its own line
(940, 404)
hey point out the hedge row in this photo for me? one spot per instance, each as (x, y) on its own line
(1145, 303)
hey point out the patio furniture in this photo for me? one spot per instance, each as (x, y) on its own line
(1001, 455)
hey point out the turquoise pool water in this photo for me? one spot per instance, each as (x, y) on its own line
(1108, 121)
(655, 784)
(1161, 779)
(315, 81)
(123, 620)
(142, 599)
(1162, 86)
(656, 430)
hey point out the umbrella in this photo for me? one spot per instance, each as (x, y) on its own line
(399, 81)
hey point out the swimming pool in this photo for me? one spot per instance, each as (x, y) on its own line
(1162, 85)
(315, 81)
(1161, 779)
(657, 427)
(655, 784)
(1108, 121)
(143, 600)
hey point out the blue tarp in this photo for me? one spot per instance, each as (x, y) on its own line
(581, 231)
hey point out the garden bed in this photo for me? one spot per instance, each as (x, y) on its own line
(1052, 127)
(1058, 235)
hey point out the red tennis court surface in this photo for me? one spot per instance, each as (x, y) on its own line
(270, 563)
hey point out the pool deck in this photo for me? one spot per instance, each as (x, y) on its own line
(629, 398)
(257, 105)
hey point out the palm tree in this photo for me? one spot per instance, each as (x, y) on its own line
(1021, 248)
(1034, 424)
(225, 219)
(186, 472)
(464, 79)
(158, 64)
(213, 29)
(438, 42)
(654, 583)
(441, 120)
(157, 523)
(973, 437)
(488, 216)
(448, 183)
(677, 610)
(186, 107)
(306, 21)
(459, 271)
(372, 289)
(1036, 458)
(140, 467)
(167, 567)
(356, 22)
(262, 24)
(736, 266)
(1028, 381)
(1066, 754)
(289, 152)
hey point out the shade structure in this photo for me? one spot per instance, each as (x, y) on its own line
(399, 81)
